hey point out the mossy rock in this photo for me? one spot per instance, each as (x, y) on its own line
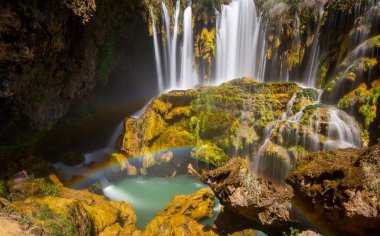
(210, 120)
(210, 153)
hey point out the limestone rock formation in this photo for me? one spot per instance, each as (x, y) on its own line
(278, 122)
(209, 124)
(340, 189)
(249, 202)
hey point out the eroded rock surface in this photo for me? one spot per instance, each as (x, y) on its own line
(248, 201)
(340, 189)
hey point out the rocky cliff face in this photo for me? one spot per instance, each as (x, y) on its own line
(52, 53)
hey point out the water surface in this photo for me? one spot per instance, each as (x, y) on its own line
(149, 195)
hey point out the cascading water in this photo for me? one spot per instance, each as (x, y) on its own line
(160, 79)
(167, 74)
(238, 44)
(241, 52)
(189, 77)
(314, 127)
(310, 77)
(173, 49)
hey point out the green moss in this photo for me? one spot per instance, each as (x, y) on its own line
(322, 76)
(214, 124)
(366, 99)
(45, 212)
(52, 190)
(174, 136)
(331, 85)
(210, 153)
(369, 64)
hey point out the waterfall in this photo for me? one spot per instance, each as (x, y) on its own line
(238, 30)
(241, 52)
(275, 158)
(167, 72)
(189, 77)
(310, 77)
(166, 20)
(343, 129)
(173, 49)
(160, 80)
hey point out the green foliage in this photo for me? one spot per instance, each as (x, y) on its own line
(54, 223)
(210, 153)
(52, 190)
(292, 232)
(45, 213)
(369, 64)
(4, 191)
(26, 219)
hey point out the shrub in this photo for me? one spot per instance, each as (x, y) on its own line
(52, 190)
(45, 213)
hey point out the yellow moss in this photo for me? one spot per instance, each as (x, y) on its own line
(131, 142)
(295, 56)
(160, 106)
(182, 215)
(205, 48)
(154, 125)
(269, 53)
(121, 159)
(178, 112)
(369, 64)
(277, 43)
(172, 137)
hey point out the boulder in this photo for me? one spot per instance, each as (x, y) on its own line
(340, 190)
(249, 202)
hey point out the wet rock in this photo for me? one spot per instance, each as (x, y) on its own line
(340, 190)
(249, 202)
(208, 124)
